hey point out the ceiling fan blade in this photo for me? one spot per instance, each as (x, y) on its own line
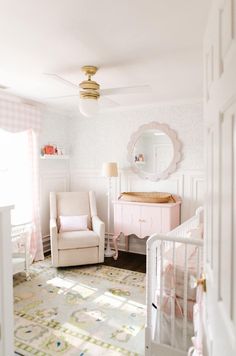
(140, 89)
(62, 80)
(104, 102)
(3, 87)
(60, 97)
(107, 103)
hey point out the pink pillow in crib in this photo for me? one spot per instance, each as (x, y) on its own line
(196, 233)
(169, 280)
(73, 223)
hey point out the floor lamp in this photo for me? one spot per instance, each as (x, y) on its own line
(109, 170)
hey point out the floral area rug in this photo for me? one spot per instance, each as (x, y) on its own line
(79, 311)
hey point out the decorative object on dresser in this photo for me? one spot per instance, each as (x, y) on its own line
(109, 170)
(154, 151)
(142, 218)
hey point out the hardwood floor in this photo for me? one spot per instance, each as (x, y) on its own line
(128, 260)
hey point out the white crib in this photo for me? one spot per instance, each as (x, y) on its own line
(169, 327)
(20, 237)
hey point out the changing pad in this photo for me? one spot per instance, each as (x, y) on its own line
(148, 197)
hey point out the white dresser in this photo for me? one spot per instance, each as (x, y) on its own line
(143, 219)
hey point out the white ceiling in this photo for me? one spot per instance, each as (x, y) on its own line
(133, 42)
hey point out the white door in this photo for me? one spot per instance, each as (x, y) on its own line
(220, 135)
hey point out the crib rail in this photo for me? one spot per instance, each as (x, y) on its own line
(166, 251)
(192, 223)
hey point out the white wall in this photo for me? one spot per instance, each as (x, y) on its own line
(92, 141)
(105, 138)
(54, 174)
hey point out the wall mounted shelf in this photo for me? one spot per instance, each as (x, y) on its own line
(58, 157)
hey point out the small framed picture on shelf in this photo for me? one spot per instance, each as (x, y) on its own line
(139, 157)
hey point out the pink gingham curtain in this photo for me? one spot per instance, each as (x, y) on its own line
(15, 117)
(18, 116)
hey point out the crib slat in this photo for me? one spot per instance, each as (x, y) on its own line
(161, 291)
(185, 306)
(173, 298)
(151, 284)
(198, 262)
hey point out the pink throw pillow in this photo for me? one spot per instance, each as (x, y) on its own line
(73, 223)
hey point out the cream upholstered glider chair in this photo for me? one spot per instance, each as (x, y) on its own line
(72, 248)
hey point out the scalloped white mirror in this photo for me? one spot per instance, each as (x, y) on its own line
(154, 151)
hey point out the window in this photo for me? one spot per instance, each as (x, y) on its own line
(15, 175)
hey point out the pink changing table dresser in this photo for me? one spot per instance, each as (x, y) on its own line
(143, 219)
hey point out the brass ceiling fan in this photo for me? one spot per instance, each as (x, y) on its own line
(90, 92)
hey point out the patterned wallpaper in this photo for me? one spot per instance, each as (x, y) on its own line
(92, 141)
(105, 137)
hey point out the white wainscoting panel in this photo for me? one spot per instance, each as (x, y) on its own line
(50, 182)
(189, 185)
(196, 185)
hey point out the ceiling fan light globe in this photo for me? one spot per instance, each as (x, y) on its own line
(88, 107)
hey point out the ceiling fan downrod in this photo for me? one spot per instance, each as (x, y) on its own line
(90, 88)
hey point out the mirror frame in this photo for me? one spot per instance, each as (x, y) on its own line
(176, 146)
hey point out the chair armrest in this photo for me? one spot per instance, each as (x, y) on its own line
(54, 240)
(53, 233)
(53, 227)
(98, 226)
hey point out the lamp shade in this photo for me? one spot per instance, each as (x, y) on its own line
(88, 106)
(109, 169)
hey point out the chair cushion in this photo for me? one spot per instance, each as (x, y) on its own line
(77, 239)
(74, 204)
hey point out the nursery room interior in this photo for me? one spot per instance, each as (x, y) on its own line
(117, 172)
